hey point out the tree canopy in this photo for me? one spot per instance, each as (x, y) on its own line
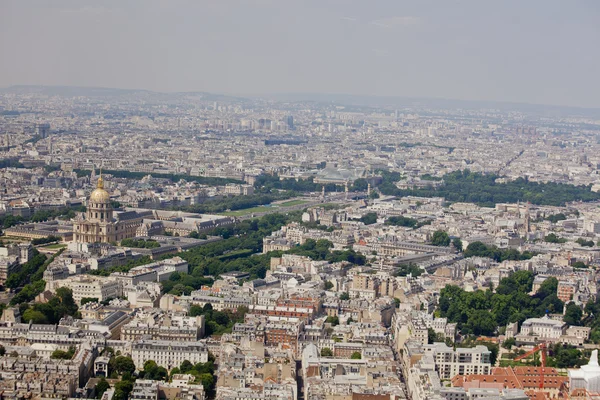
(482, 189)
(482, 312)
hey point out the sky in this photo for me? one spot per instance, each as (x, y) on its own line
(532, 51)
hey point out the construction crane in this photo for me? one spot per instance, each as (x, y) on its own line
(542, 348)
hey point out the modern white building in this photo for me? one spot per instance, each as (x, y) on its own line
(462, 361)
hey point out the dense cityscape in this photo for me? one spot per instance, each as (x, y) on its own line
(201, 246)
(299, 200)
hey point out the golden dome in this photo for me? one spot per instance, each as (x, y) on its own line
(99, 195)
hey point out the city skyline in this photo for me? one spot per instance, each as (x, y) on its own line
(537, 53)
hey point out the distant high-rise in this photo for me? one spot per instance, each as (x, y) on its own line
(290, 122)
(43, 130)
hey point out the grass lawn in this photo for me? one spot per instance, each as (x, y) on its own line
(292, 203)
(55, 246)
(246, 211)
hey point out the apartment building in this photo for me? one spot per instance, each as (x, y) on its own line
(168, 353)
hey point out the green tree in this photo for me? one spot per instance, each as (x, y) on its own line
(402, 221)
(431, 336)
(548, 287)
(35, 317)
(356, 355)
(411, 269)
(186, 367)
(440, 238)
(326, 352)
(553, 238)
(124, 364)
(345, 296)
(86, 300)
(565, 356)
(208, 381)
(585, 243)
(59, 355)
(369, 218)
(122, 390)
(101, 387)
(481, 322)
(328, 285)
(579, 265)
(457, 243)
(494, 349)
(333, 320)
(509, 343)
(573, 314)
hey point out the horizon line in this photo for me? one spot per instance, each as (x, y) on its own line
(266, 95)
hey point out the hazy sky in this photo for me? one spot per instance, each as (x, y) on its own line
(536, 51)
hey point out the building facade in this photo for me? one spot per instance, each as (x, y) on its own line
(99, 223)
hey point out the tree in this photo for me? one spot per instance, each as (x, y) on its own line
(440, 238)
(186, 366)
(345, 296)
(481, 322)
(208, 381)
(553, 238)
(509, 343)
(397, 302)
(89, 300)
(401, 221)
(565, 356)
(328, 285)
(356, 355)
(59, 355)
(2, 350)
(573, 314)
(154, 372)
(35, 317)
(411, 269)
(431, 336)
(124, 364)
(101, 387)
(494, 349)
(369, 218)
(122, 390)
(457, 243)
(326, 352)
(585, 243)
(333, 320)
(548, 287)
(579, 264)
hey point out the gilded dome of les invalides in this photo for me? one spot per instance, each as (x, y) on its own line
(99, 195)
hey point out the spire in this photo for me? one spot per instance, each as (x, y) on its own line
(100, 181)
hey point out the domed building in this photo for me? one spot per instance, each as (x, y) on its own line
(99, 224)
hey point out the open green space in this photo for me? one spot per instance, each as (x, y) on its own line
(55, 246)
(246, 211)
(292, 203)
